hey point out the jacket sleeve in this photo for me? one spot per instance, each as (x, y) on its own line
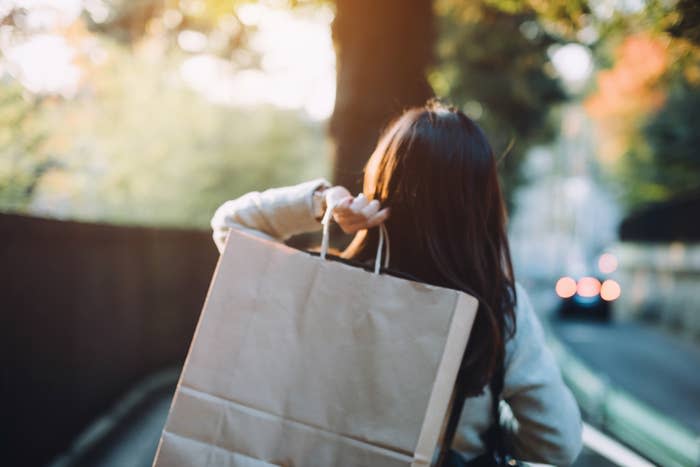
(277, 213)
(547, 424)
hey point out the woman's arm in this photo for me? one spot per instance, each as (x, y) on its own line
(548, 427)
(277, 213)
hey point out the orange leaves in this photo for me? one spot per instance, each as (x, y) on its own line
(628, 92)
(630, 88)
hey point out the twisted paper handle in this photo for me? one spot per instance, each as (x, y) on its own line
(383, 237)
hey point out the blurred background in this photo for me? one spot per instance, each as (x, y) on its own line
(125, 123)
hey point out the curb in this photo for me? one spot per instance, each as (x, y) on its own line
(652, 434)
(105, 425)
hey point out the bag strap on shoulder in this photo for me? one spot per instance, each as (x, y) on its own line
(493, 438)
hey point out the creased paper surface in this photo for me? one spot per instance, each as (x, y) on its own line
(299, 361)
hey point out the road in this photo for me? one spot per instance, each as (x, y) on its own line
(651, 365)
(134, 439)
(129, 434)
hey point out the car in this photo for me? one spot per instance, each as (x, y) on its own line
(589, 297)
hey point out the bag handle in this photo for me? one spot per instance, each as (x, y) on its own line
(383, 238)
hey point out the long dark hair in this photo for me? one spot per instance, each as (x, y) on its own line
(436, 171)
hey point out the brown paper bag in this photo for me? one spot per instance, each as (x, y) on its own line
(303, 361)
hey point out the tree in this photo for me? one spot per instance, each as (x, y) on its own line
(385, 53)
(22, 158)
(645, 104)
(383, 49)
(484, 64)
(666, 164)
(687, 24)
(493, 64)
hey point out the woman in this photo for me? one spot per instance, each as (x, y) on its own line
(432, 180)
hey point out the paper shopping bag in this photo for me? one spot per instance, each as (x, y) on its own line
(303, 361)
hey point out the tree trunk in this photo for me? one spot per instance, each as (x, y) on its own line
(383, 50)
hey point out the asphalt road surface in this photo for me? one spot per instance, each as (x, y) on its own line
(133, 440)
(134, 443)
(653, 366)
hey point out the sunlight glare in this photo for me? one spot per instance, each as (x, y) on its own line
(44, 64)
(298, 63)
(573, 62)
(192, 41)
(41, 15)
(250, 13)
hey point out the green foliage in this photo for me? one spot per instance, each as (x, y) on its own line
(666, 163)
(499, 77)
(138, 146)
(564, 16)
(658, 160)
(142, 148)
(687, 20)
(130, 20)
(23, 159)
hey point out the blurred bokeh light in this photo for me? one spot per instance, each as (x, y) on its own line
(610, 290)
(607, 263)
(588, 287)
(566, 287)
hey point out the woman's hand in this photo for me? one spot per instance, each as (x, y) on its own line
(354, 213)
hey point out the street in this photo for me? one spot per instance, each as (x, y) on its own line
(654, 367)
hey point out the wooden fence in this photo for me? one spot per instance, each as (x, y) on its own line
(87, 310)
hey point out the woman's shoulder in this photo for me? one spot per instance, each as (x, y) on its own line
(549, 422)
(524, 310)
(528, 328)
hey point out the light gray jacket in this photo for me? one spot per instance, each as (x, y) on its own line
(548, 422)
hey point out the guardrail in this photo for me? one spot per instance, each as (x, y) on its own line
(649, 432)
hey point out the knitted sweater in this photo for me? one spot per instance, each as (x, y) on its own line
(547, 426)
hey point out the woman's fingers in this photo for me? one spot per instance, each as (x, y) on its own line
(371, 209)
(337, 194)
(343, 204)
(343, 212)
(351, 225)
(354, 214)
(358, 206)
(360, 202)
(350, 229)
(344, 208)
(378, 218)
